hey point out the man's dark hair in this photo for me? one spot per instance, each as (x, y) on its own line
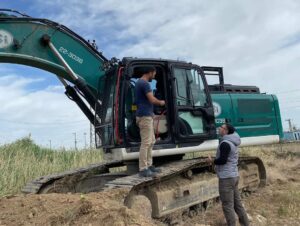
(230, 128)
(145, 69)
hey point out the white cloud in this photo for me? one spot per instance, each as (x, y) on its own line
(46, 114)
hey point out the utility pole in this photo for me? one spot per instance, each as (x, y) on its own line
(84, 140)
(290, 124)
(50, 144)
(90, 132)
(75, 141)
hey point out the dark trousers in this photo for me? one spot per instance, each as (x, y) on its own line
(231, 201)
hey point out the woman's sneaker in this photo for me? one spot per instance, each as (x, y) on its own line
(154, 170)
(147, 173)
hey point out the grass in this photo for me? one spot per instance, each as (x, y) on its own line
(289, 202)
(22, 161)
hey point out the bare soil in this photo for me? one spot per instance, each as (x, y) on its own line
(70, 209)
(276, 204)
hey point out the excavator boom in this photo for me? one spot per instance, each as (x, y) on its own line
(22, 43)
(52, 47)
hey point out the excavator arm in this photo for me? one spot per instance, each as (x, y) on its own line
(50, 46)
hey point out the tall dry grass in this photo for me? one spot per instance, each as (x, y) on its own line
(23, 161)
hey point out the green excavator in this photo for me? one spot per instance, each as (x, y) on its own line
(104, 90)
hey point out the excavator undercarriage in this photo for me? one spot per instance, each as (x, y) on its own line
(182, 184)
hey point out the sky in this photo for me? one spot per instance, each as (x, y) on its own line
(256, 42)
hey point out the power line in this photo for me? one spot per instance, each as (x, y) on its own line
(289, 101)
(41, 123)
(286, 108)
(291, 97)
(290, 105)
(288, 91)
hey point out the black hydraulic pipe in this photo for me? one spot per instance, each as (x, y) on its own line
(89, 96)
(73, 95)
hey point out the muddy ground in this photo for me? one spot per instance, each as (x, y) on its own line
(276, 204)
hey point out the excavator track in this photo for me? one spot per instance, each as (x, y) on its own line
(186, 183)
(182, 184)
(68, 181)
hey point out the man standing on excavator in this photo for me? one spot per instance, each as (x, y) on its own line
(144, 119)
(226, 167)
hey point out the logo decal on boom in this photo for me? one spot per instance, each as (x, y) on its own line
(6, 39)
(217, 109)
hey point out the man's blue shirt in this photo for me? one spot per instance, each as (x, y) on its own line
(144, 107)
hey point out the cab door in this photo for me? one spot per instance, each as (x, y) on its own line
(194, 115)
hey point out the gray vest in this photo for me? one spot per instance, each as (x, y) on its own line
(229, 169)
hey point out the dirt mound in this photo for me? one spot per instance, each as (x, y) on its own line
(104, 208)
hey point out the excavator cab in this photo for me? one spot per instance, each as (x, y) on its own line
(186, 120)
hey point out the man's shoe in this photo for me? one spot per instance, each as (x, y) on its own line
(154, 170)
(147, 173)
